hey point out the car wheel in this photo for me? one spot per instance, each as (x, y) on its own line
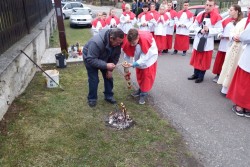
(64, 17)
(89, 25)
(72, 25)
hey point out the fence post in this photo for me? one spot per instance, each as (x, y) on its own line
(46, 6)
(40, 16)
(26, 16)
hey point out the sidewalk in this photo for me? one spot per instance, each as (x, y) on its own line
(49, 57)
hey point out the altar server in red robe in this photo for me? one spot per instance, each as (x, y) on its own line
(127, 20)
(207, 24)
(97, 24)
(112, 21)
(239, 90)
(184, 21)
(144, 20)
(160, 29)
(142, 47)
(170, 26)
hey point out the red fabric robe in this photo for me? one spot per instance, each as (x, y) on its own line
(145, 77)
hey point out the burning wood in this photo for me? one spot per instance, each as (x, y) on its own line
(120, 119)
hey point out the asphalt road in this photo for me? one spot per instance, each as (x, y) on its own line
(213, 133)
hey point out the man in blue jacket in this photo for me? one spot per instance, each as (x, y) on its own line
(102, 52)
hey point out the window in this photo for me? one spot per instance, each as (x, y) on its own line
(68, 6)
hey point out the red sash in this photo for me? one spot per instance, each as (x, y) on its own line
(173, 13)
(165, 16)
(248, 20)
(148, 16)
(214, 17)
(108, 20)
(145, 41)
(189, 14)
(226, 21)
(131, 15)
(94, 22)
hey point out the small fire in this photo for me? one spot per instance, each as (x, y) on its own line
(120, 119)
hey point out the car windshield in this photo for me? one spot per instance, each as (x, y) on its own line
(80, 12)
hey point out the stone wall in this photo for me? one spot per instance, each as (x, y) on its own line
(16, 70)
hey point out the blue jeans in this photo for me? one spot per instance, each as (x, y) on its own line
(93, 81)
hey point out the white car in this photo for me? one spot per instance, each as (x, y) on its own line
(68, 6)
(80, 17)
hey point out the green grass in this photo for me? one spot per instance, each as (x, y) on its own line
(73, 35)
(51, 127)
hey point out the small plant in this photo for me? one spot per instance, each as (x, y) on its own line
(65, 53)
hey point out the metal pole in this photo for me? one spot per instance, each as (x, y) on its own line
(41, 69)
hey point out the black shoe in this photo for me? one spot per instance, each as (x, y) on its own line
(174, 52)
(111, 100)
(193, 77)
(183, 54)
(136, 93)
(92, 103)
(238, 112)
(198, 80)
(165, 51)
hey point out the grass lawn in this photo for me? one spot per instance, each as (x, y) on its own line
(50, 127)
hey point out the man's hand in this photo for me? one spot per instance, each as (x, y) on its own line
(110, 66)
(109, 74)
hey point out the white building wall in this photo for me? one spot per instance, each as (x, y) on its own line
(16, 70)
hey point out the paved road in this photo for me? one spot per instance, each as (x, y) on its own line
(212, 131)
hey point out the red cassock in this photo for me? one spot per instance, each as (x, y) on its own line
(169, 37)
(169, 41)
(145, 77)
(220, 57)
(161, 40)
(201, 60)
(239, 90)
(218, 63)
(182, 41)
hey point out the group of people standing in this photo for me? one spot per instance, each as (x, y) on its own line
(232, 63)
(154, 36)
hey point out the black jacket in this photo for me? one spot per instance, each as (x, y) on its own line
(97, 52)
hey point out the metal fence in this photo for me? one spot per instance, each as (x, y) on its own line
(18, 17)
